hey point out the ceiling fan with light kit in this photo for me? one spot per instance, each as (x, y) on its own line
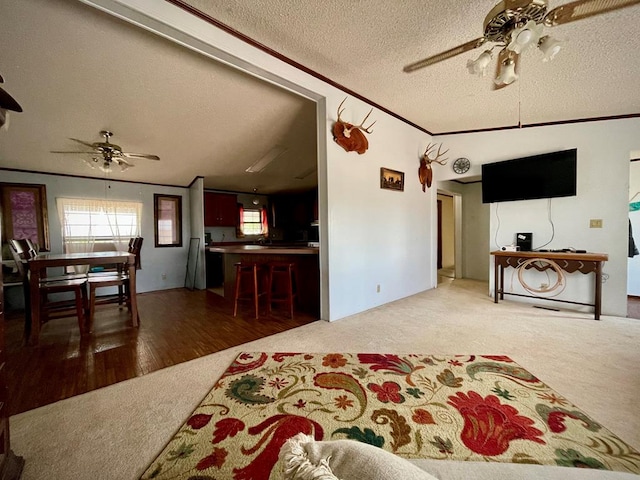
(516, 26)
(105, 154)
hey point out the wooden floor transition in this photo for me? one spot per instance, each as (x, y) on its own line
(175, 326)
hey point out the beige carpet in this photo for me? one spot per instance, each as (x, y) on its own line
(115, 432)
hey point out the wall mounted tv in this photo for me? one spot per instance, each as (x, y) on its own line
(540, 176)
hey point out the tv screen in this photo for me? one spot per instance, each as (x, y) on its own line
(539, 176)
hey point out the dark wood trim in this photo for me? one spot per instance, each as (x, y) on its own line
(203, 16)
(465, 183)
(177, 201)
(19, 170)
(543, 124)
(635, 160)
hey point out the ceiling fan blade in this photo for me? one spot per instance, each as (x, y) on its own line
(465, 47)
(75, 151)
(86, 144)
(140, 155)
(580, 9)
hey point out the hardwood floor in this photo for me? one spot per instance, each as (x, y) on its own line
(175, 326)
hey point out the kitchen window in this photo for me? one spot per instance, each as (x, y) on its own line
(254, 221)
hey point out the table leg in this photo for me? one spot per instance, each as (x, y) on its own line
(34, 294)
(132, 292)
(495, 280)
(598, 293)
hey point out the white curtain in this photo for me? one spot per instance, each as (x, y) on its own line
(86, 221)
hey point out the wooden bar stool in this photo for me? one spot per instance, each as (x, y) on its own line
(281, 284)
(247, 284)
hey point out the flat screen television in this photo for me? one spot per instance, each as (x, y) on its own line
(539, 176)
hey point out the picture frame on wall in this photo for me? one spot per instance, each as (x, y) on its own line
(24, 213)
(391, 179)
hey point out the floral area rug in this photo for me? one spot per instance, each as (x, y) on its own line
(465, 407)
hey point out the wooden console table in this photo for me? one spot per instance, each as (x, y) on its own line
(568, 261)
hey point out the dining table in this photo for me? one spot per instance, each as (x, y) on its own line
(39, 264)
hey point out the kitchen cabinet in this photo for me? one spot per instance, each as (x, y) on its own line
(220, 209)
(294, 210)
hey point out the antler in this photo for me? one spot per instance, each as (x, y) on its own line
(362, 127)
(439, 154)
(340, 109)
(359, 127)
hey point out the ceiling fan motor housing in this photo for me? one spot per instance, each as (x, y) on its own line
(509, 14)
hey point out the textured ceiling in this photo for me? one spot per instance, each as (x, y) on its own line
(364, 45)
(77, 71)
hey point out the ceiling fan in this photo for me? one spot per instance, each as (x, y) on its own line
(104, 154)
(517, 25)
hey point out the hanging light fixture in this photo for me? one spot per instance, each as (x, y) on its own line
(256, 200)
(480, 64)
(550, 47)
(507, 73)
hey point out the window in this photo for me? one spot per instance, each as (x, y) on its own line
(252, 222)
(167, 218)
(87, 222)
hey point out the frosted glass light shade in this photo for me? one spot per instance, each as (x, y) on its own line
(507, 74)
(480, 64)
(523, 38)
(549, 46)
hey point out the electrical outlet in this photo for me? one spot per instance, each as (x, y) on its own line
(595, 223)
(164, 276)
(378, 289)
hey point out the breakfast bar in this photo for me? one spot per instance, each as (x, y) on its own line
(305, 259)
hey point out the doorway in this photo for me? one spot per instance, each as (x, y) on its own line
(446, 260)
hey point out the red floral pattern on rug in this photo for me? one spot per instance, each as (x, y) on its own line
(473, 408)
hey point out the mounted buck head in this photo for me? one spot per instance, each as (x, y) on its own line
(425, 173)
(350, 137)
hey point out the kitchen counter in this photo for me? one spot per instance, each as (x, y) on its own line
(305, 259)
(264, 249)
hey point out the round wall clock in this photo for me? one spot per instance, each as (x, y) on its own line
(461, 165)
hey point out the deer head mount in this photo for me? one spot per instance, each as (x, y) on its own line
(425, 173)
(350, 137)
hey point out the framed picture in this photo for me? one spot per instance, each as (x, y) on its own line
(391, 179)
(167, 220)
(24, 213)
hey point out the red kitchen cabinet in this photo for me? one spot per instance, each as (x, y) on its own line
(220, 209)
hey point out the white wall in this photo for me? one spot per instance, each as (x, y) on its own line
(603, 180)
(155, 261)
(368, 236)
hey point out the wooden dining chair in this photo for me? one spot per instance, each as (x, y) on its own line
(22, 253)
(119, 279)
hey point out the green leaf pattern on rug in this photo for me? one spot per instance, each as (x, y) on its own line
(246, 390)
(573, 458)
(458, 407)
(365, 436)
(507, 370)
